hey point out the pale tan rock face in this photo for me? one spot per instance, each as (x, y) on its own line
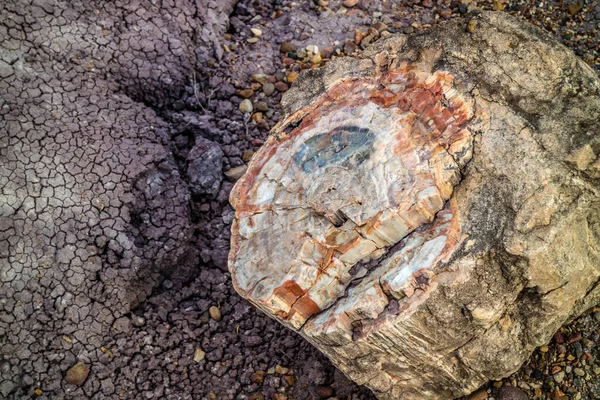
(423, 215)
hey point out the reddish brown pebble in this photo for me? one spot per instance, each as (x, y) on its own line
(358, 35)
(247, 156)
(350, 3)
(379, 26)
(366, 41)
(575, 337)
(324, 392)
(77, 374)
(287, 47)
(555, 369)
(349, 47)
(559, 338)
(281, 86)
(289, 379)
(256, 396)
(558, 395)
(257, 376)
(327, 52)
(245, 93)
(257, 117)
(446, 14)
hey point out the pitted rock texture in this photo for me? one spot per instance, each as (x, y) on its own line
(92, 205)
(503, 250)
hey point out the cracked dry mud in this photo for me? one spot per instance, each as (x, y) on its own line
(477, 149)
(113, 244)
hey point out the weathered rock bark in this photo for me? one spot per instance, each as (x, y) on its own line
(429, 212)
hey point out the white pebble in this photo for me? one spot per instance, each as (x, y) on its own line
(312, 48)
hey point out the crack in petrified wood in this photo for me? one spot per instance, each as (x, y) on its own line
(371, 161)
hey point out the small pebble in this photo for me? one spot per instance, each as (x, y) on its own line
(257, 117)
(256, 31)
(555, 370)
(232, 175)
(350, 3)
(289, 379)
(253, 40)
(214, 311)
(478, 395)
(574, 8)
(579, 372)
(257, 376)
(349, 47)
(247, 156)
(358, 35)
(559, 376)
(512, 393)
(268, 89)
(245, 93)
(246, 106)
(291, 78)
(281, 370)
(312, 48)
(498, 5)
(260, 78)
(199, 355)
(77, 374)
(287, 47)
(261, 106)
(281, 86)
(325, 392)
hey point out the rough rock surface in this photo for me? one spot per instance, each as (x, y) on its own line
(429, 212)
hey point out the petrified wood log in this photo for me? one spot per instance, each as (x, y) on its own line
(429, 212)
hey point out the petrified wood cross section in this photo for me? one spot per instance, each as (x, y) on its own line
(428, 213)
(366, 165)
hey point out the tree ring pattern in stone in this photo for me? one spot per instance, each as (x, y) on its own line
(368, 163)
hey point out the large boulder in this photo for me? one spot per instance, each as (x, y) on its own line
(429, 212)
